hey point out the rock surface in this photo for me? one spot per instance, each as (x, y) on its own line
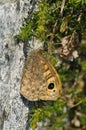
(13, 110)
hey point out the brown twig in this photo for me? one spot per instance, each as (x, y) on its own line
(62, 7)
(50, 48)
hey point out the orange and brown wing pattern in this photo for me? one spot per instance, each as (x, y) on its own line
(40, 80)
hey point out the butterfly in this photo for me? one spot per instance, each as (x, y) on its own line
(40, 80)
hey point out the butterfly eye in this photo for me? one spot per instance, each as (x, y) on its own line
(51, 86)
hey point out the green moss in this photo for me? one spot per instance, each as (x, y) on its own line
(48, 25)
(83, 65)
(82, 49)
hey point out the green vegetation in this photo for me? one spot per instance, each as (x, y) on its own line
(61, 26)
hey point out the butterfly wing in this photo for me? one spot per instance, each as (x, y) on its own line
(31, 77)
(39, 79)
(53, 84)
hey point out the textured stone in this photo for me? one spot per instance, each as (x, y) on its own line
(13, 109)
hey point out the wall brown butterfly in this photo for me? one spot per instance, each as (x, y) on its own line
(40, 81)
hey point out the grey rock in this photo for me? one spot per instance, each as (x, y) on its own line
(14, 110)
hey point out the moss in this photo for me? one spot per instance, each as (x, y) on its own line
(49, 25)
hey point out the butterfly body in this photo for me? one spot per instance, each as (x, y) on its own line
(40, 80)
